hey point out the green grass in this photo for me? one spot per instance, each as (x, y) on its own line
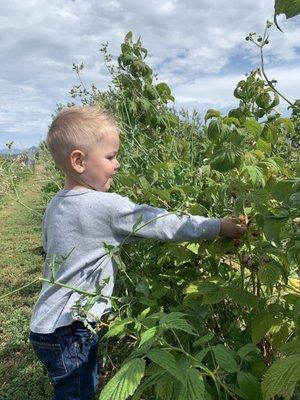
(22, 376)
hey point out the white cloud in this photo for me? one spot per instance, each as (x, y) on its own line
(197, 47)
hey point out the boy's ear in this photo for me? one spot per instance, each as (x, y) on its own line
(77, 160)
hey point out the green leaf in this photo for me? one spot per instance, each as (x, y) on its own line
(152, 380)
(166, 361)
(226, 159)
(201, 354)
(255, 174)
(264, 146)
(125, 382)
(164, 91)
(290, 8)
(164, 387)
(275, 101)
(272, 229)
(263, 100)
(242, 297)
(291, 347)
(282, 190)
(211, 292)
(175, 320)
(193, 386)
(261, 324)
(281, 378)
(193, 247)
(148, 336)
(253, 127)
(225, 358)
(204, 339)
(164, 194)
(279, 335)
(269, 274)
(287, 123)
(128, 37)
(211, 114)
(249, 352)
(117, 327)
(215, 131)
(249, 385)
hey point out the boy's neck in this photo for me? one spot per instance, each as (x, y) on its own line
(70, 184)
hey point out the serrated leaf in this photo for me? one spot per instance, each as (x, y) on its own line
(148, 336)
(175, 320)
(124, 383)
(292, 347)
(242, 297)
(216, 132)
(261, 324)
(279, 335)
(204, 339)
(282, 190)
(193, 386)
(249, 385)
(253, 127)
(272, 229)
(202, 354)
(254, 174)
(249, 352)
(225, 358)
(226, 159)
(269, 274)
(264, 146)
(287, 123)
(152, 380)
(164, 387)
(117, 327)
(166, 361)
(211, 292)
(281, 378)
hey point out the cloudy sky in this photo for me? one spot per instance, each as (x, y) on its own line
(197, 46)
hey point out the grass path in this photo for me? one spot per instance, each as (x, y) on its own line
(21, 375)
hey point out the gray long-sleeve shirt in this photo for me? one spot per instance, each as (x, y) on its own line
(75, 224)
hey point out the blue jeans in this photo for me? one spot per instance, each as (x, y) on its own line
(70, 357)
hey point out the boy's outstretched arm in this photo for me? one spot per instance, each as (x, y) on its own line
(144, 221)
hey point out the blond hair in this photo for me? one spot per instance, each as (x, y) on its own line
(77, 127)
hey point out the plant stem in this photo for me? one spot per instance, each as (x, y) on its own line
(19, 289)
(264, 74)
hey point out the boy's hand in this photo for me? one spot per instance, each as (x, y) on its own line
(230, 229)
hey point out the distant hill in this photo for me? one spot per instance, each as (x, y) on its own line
(15, 152)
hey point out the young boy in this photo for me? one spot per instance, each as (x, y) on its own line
(84, 142)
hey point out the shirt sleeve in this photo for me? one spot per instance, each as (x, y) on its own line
(142, 221)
